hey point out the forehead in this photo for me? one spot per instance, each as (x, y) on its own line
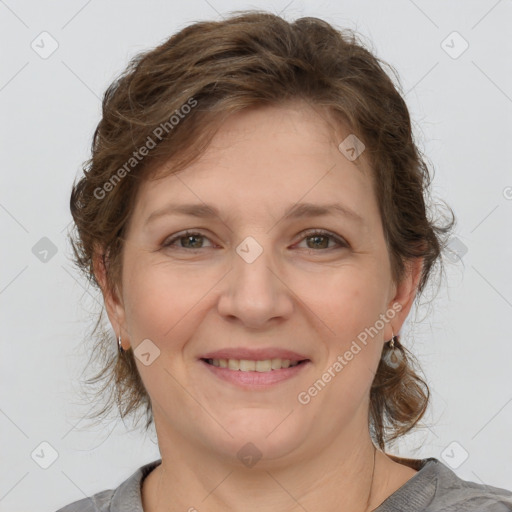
(263, 158)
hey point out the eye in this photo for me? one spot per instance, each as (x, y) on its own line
(192, 240)
(316, 235)
(188, 237)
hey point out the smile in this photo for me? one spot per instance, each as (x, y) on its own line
(254, 375)
(247, 365)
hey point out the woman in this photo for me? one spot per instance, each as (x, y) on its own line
(254, 215)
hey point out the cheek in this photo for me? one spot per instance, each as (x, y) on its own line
(163, 300)
(350, 304)
(155, 301)
(347, 300)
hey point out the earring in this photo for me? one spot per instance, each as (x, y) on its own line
(119, 345)
(392, 357)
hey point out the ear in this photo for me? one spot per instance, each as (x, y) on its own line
(112, 298)
(404, 296)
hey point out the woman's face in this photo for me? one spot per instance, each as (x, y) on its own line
(253, 278)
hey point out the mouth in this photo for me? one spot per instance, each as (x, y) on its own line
(254, 375)
(249, 365)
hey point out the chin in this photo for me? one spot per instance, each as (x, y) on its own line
(270, 434)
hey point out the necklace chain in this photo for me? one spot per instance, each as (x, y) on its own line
(373, 474)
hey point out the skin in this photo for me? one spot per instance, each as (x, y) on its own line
(302, 294)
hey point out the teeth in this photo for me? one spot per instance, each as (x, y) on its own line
(246, 365)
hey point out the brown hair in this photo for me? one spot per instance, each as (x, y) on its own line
(172, 99)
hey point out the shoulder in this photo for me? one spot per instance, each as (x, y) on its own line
(455, 494)
(435, 488)
(100, 502)
(125, 497)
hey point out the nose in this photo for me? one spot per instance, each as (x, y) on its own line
(255, 292)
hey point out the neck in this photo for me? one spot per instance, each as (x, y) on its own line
(343, 477)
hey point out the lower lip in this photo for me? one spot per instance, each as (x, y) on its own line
(256, 380)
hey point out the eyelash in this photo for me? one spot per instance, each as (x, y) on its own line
(307, 234)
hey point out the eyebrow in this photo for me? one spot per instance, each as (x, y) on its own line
(299, 210)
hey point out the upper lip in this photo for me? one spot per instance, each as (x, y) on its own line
(254, 354)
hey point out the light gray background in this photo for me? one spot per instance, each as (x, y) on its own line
(462, 110)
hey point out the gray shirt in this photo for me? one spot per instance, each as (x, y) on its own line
(434, 488)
